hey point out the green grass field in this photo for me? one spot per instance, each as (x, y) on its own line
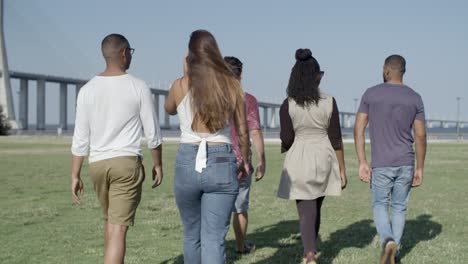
(40, 224)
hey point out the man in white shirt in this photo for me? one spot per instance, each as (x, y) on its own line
(112, 110)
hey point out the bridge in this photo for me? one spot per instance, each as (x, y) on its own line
(269, 111)
(72, 86)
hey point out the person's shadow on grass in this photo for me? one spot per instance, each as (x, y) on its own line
(281, 236)
(177, 260)
(357, 235)
(285, 239)
(420, 229)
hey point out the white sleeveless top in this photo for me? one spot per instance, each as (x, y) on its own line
(184, 110)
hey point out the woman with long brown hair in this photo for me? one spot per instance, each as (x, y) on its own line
(206, 98)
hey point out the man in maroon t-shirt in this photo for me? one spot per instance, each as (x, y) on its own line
(240, 216)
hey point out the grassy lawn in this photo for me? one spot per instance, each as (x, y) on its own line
(40, 224)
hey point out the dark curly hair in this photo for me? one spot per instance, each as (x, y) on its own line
(235, 64)
(304, 81)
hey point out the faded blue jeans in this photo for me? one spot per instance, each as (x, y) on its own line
(205, 201)
(391, 184)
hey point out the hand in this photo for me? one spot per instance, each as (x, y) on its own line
(247, 169)
(260, 171)
(243, 171)
(364, 172)
(344, 181)
(418, 178)
(77, 189)
(157, 176)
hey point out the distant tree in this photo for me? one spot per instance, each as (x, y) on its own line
(4, 124)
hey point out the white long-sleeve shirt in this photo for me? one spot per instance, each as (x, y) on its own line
(111, 112)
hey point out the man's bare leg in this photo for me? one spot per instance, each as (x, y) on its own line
(115, 244)
(106, 235)
(240, 222)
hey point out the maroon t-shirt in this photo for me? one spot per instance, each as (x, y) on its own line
(253, 123)
(391, 110)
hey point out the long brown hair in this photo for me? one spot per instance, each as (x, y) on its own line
(215, 90)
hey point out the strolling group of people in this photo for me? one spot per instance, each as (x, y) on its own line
(213, 166)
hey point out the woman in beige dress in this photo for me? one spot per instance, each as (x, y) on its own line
(311, 135)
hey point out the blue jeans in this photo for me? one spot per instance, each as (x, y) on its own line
(205, 201)
(241, 204)
(391, 183)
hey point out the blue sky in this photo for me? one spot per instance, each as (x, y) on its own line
(350, 39)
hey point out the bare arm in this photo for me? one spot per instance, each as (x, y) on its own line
(170, 104)
(240, 123)
(77, 184)
(156, 155)
(421, 143)
(258, 142)
(359, 142)
(80, 146)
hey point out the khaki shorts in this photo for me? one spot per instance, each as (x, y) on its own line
(118, 183)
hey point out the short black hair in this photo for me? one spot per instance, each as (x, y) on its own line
(235, 64)
(396, 63)
(112, 44)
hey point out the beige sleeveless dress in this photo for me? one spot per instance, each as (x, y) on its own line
(310, 169)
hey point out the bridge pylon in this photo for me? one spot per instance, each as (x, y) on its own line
(6, 98)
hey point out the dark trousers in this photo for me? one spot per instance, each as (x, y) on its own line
(309, 222)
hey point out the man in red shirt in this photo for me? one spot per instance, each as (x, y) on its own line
(240, 216)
